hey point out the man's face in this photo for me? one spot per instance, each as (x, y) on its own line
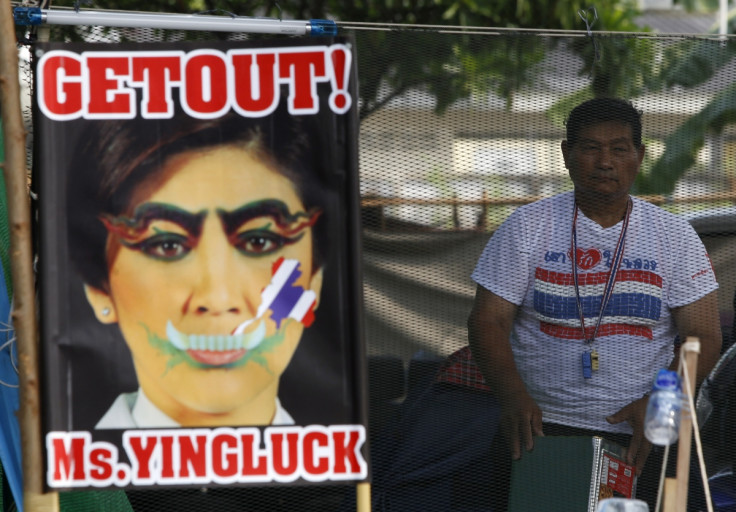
(604, 161)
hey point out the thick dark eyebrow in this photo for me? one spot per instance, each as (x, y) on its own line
(147, 213)
(272, 208)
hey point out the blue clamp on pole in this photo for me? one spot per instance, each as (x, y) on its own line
(27, 16)
(587, 365)
(322, 28)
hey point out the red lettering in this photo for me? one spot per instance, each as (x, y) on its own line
(106, 85)
(224, 455)
(142, 455)
(254, 83)
(193, 458)
(157, 74)
(60, 85)
(252, 465)
(73, 460)
(340, 57)
(313, 464)
(302, 68)
(285, 461)
(167, 456)
(346, 451)
(205, 93)
(107, 97)
(101, 461)
(69, 463)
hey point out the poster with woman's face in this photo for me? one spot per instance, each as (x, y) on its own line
(199, 263)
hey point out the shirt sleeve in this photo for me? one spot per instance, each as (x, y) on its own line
(693, 275)
(503, 266)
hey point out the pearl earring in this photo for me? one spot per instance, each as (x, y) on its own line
(105, 311)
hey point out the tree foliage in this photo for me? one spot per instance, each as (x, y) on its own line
(447, 66)
(451, 67)
(685, 65)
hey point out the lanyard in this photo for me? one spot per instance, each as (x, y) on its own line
(615, 264)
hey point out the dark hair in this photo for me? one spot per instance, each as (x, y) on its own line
(115, 156)
(599, 110)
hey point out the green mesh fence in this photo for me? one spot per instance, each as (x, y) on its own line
(4, 227)
(459, 129)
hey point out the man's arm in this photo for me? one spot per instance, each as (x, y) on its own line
(489, 328)
(699, 319)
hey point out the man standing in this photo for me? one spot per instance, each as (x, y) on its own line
(582, 296)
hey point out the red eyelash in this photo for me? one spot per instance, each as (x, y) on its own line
(311, 221)
(121, 228)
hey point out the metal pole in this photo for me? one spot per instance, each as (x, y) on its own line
(21, 257)
(723, 17)
(314, 27)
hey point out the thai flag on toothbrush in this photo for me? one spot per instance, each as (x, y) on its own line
(284, 299)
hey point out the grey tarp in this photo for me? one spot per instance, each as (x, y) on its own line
(418, 291)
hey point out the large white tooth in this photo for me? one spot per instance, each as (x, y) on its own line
(217, 342)
(175, 337)
(253, 339)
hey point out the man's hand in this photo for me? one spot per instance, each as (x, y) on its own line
(489, 329)
(639, 448)
(521, 420)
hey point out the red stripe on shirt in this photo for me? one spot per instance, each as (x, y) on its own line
(592, 278)
(573, 333)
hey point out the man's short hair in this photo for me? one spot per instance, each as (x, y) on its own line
(600, 110)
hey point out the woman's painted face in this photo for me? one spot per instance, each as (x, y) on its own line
(211, 284)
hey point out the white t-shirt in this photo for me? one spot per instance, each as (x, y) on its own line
(135, 410)
(527, 262)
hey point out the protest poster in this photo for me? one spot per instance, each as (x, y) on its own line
(199, 263)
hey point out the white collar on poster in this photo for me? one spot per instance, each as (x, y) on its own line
(145, 414)
(135, 410)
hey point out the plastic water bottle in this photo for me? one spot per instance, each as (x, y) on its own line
(622, 505)
(662, 422)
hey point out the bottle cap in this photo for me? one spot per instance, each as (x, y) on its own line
(666, 380)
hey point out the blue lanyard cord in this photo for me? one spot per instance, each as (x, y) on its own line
(615, 265)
